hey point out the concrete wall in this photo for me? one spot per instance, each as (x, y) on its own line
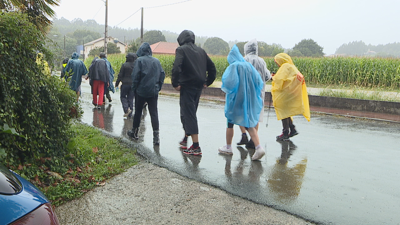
(325, 102)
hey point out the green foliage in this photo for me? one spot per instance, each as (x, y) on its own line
(309, 48)
(84, 36)
(91, 158)
(37, 11)
(153, 36)
(133, 47)
(112, 48)
(37, 106)
(363, 72)
(216, 46)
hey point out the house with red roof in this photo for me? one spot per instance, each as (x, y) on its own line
(162, 47)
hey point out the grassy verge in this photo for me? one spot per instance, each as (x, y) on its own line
(93, 159)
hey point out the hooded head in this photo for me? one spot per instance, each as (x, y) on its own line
(235, 56)
(131, 57)
(144, 50)
(251, 47)
(102, 55)
(75, 55)
(283, 58)
(65, 60)
(186, 36)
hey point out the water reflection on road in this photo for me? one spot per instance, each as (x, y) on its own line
(337, 171)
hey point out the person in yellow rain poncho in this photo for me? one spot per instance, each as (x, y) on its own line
(41, 62)
(289, 95)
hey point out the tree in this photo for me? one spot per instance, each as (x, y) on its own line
(38, 11)
(353, 48)
(216, 46)
(84, 36)
(153, 36)
(309, 48)
(111, 49)
(25, 92)
(133, 47)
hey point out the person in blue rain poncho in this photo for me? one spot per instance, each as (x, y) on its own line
(147, 80)
(76, 68)
(242, 84)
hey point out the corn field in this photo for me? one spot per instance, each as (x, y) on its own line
(362, 72)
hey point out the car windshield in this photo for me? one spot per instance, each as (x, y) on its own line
(9, 183)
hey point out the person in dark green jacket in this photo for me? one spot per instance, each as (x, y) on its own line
(76, 68)
(147, 79)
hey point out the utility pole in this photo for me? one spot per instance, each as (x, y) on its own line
(141, 29)
(105, 32)
(64, 44)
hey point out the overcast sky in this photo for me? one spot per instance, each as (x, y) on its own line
(330, 23)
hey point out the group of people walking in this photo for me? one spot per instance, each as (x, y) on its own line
(243, 81)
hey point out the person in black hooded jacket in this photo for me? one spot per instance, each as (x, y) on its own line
(99, 77)
(193, 70)
(147, 79)
(125, 76)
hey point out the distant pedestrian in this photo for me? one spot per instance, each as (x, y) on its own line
(147, 80)
(112, 72)
(125, 76)
(242, 84)
(76, 69)
(251, 56)
(99, 77)
(289, 95)
(193, 70)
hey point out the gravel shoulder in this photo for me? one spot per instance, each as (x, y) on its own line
(149, 194)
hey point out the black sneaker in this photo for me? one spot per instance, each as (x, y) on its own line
(193, 151)
(244, 140)
(293, 133)
(282, 137)
(250, 144)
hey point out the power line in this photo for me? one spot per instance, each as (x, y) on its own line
(129, 16)
(167, 4)
(175, 3)
(98, 12)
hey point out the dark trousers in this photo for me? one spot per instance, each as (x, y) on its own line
(126, 97)
(189, 101)
(152, 106)
(287, 123)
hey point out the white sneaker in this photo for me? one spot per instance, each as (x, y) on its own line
(225, 150)
(128, 112)
(258, 154)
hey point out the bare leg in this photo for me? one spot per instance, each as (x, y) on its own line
(254, 136)
(229, 135)
(195, 137)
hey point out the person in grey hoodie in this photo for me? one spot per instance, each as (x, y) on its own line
(125, 76)
(147, 79)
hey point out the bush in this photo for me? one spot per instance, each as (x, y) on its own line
(37, 106)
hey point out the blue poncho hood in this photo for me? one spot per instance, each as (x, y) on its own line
(242, 84)
(144, 50)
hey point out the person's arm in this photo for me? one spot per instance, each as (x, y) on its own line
(162, 77)
(211, 71)
(136, 75)
(120, 74)
(177, 67)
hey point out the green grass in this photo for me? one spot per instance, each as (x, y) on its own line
(93, 159)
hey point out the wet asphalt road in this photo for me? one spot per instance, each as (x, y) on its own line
(336, 171)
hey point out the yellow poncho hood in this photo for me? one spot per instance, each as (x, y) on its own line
(289, 91)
